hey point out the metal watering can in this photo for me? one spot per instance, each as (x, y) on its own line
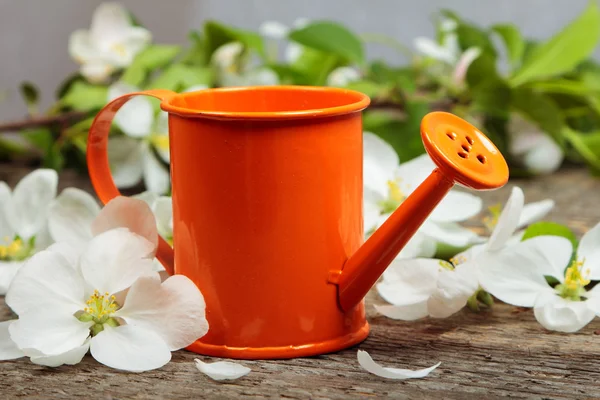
(267, 190)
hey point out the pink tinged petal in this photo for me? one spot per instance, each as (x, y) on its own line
(365, 361)
(463, 64)
(130, 348)
(156, 175)
(453, 290)
(410, 312)
(50, 331)
(124, 212)
(136, 117)
(409, 282)
(28, 211)
(516, 275)
(533, 212)
(508, 220)
(71, 215)
(557, 314)
(174, 309)
(126, 164)
(8, 348)
(222, 370)
(48, 278)
(5, 200)
(8, 270)
(380, 160)
(114, 260)
(589, 250)
(456, 206)
(71, 357)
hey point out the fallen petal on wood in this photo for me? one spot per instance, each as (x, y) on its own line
(365, 361)
(222, 370)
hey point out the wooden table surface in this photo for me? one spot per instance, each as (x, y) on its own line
(504, 353)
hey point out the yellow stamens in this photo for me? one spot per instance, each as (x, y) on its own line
(458, 260)
(119, 48)
(491, 220)
(161, 142)
(395, 191)
(576, 278)
(13, 249)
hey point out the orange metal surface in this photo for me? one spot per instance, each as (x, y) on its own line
(267, 203)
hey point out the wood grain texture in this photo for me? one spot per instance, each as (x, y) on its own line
(503, 353)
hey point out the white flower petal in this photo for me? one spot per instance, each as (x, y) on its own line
(454, 289)
(71, 357)
(343, 76)
(410, 312)
(164, 216)
(533, 212)
(8, 348)
(130, 348)
(508, 220)
(222, 370)
(432, 49)
(134, 41)
(147, 197)
(47, 278)
(96, 71)
(8, 270)
(456, 206)
(273, 30)
(81, 47)
(589, 250)
(515, 275)
(126, 163)
(412, 173)
(409, 282)
(156, 176)
(71, 215)
(130, 213)
(114, 259)
(174, 309)
(52, 332)
(365, 361)
(419, 245)
(6, 230)
(225, 55)
(136, 117)
(292, 52)
(450, 233)
(161, 130)
(110, 23)
(28, 210)
(557, 314)
(380, 160)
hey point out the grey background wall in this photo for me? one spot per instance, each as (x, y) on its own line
(34, 33)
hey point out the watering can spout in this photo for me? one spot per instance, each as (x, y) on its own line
(463, 155)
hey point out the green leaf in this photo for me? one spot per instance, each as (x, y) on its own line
(541, 110)
(217, 34)
(564, 51)
(482, 70)
(42, 139)
(492, 97)
(564, 86)
(30, 94)
(315, 66)
(470, 35)
(196, 54)
(82, 96)
(151, 58)
(586, 145)
(544, 228)
(331, 37)
(179, 77)
(403, 77)
(371, 89)
(513, 41)
(402, 132)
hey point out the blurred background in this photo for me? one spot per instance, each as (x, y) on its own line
(35, 33)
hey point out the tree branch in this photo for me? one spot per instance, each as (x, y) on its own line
(43, 121)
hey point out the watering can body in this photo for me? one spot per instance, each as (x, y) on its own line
(267, 215)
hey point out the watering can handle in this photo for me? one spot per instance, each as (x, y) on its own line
(98, 166)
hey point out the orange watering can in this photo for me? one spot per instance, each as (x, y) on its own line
(267, 210)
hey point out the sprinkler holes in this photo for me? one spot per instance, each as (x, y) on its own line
(481, 158)
(466, 148)
(469, 140)
(462, 154)
(451, 135)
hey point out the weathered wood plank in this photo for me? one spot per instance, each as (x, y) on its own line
(504, 353)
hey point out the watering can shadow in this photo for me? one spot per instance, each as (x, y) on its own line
(267, 210)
